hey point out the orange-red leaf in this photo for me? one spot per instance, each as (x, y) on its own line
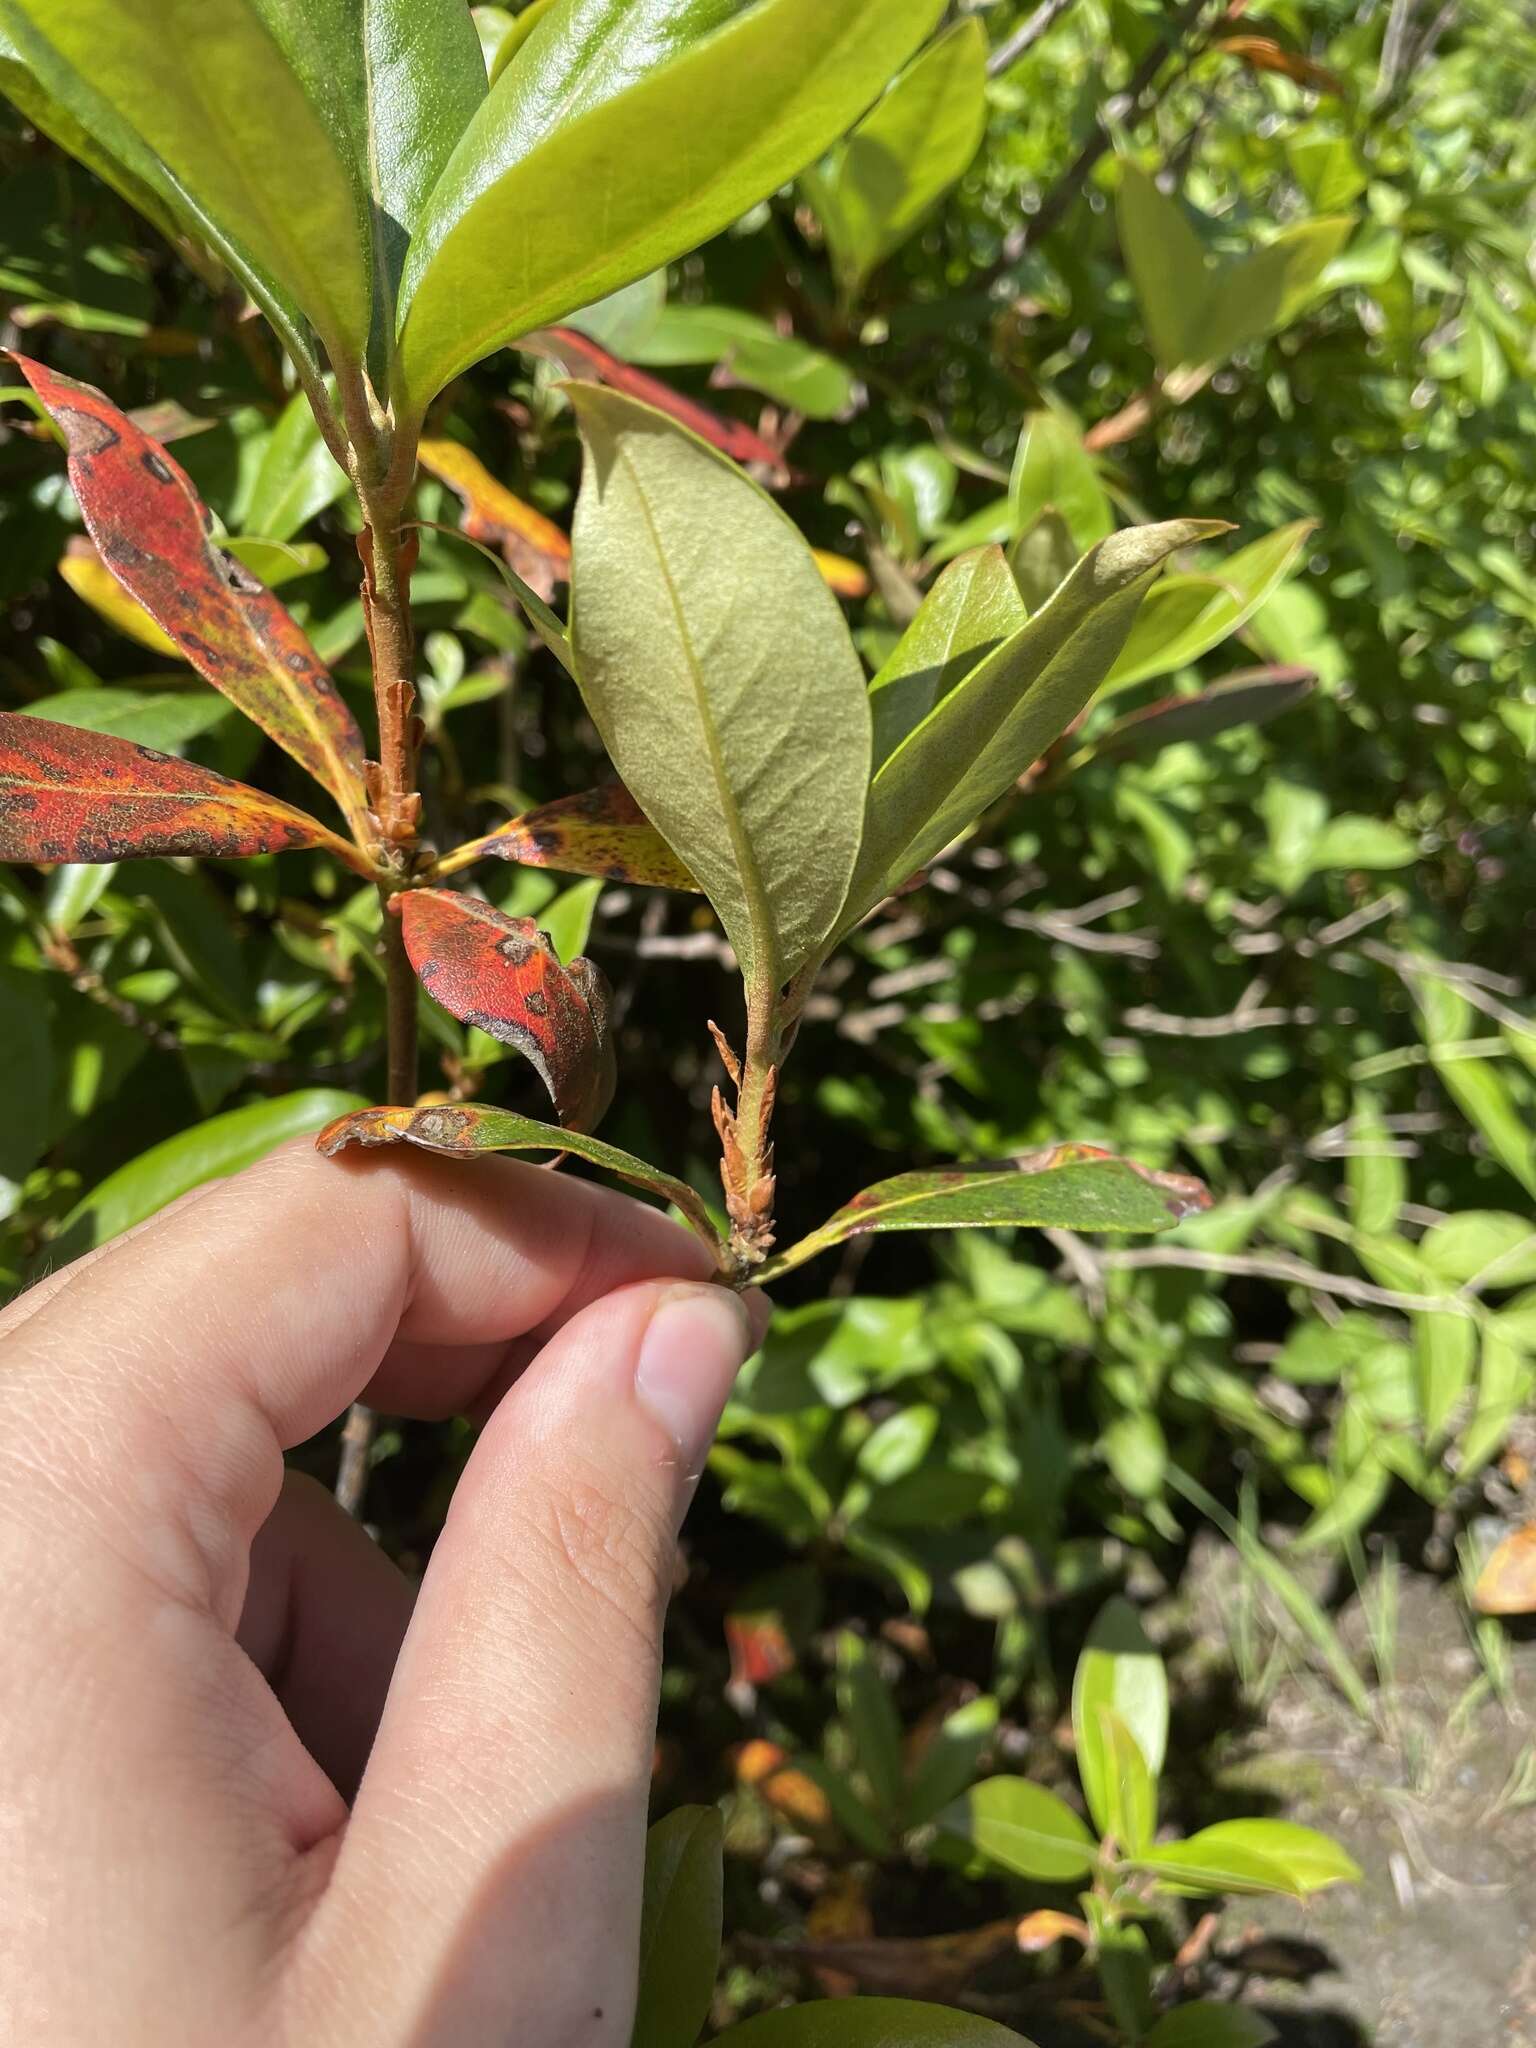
(848, 579)
(585, 358)
(1263, 53)
(532, 545)
(1507, 1582)
(601, 832)
(68, 795)
(502, 975)
(152, 531)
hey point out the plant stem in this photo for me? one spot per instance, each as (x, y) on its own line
(388, 555)
(746, 1137)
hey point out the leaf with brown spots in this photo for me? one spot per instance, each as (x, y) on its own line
(601, 832)
(458, 1130)
(69, 795)
(1507, 1582)
(502, 975)
(588, 360)
(152, 532)
(1062, 1187)
(531, 544)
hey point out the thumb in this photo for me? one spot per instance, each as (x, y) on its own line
(495, 1851)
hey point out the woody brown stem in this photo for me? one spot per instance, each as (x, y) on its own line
(746, 1133)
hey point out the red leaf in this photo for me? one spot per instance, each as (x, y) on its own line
(68, 795)
(602, 832)
(502, 975)
(583, 357)
(152, 530)
(532, 545)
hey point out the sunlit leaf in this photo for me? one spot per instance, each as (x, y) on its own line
(533, 545)
(601, 832)
(984, 733)
(1054, 472)
(1254, 1856)
(741, 726)
(1119, 1671)
(71, 795)
(1188, 614)
(848, 579)
(562, 188)
(786, 369)
(1066, 1187)
(88, 576)
(297, 479)
(1022, 1828)
(458, 1129)
(875, 188)
(501, 975)
(151, 528)
(1507, 1582)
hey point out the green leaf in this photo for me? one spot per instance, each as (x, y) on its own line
(298, 477)
(680, 1918)
(1265, 290)
(789, 371)
(1353, 841)
(208, 1151)
(896, 1447)
(1119, 1672)
(875, 188)
(213, 99)
(865, 1703)
(1054, 472)
(398, 82)
(1504, 1387)
(718, 668)
(1187, 615)
(460, 1128)
(570, 180)
(26, 1032)
(1205, 2024)
(1376, 1176)
(972, 608)
(948, 1765)
(1253, 1856)
(1022, 1828)
(1249, 697)
(1068, 1187)
(1042, 558)
(869, 2023)
(166, 719)
(1491, 1246)
(1127, 1788)
(1447, 1020)
(996, 723)
(1445, 1355)
(1168, 266)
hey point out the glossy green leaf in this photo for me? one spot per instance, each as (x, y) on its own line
(718, 668)
(988, 730)
(680, 1918)
(1054, 472)
(1205, 2024)
(398, 82)
(1187, 615)
(869, 2023)
(208, 1151)
(786, 369)
(1254, 1856)
(1119, 1672)
(212, 97)
(949, 1763)
(875, 188)
(1022, 1828)
(460, 1129)
(972, 608)
(1168, 267)
(570, 181)
(865, 1703)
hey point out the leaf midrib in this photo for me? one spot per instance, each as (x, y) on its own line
(759, 916)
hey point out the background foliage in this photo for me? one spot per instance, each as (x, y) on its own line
(1285, 957)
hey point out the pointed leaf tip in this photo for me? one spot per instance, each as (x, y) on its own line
(502, 975)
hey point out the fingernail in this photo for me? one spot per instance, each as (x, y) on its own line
(690, 1355)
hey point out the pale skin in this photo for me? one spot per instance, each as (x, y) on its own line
(253, 1791)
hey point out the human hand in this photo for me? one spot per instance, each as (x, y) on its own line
(199, 1658)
